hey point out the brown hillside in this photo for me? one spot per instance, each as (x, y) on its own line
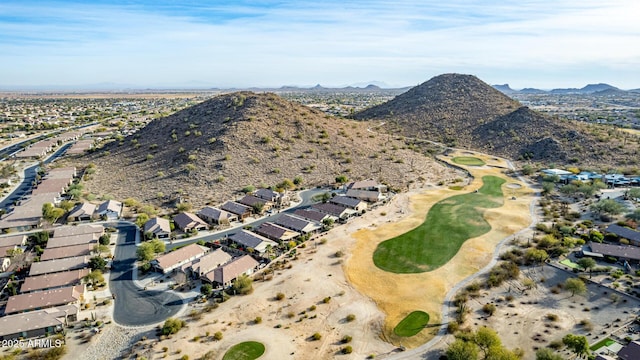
(207, 153)
(444, 108)
(463, 111)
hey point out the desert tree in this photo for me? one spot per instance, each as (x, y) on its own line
(575, 286)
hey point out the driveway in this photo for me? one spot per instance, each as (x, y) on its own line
(135, 306)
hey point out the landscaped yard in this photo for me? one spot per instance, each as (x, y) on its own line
(601, 343)
(412, 324)
(449, 223)
(569, 263)
(248, 350)
(468, 160)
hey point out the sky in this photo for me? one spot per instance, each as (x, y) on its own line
(270, 43)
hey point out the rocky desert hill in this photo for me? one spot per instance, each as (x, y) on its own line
(207, 153)
(465, 112)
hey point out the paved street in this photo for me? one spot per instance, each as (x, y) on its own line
(135, 306)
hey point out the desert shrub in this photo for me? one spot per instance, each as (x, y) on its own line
(279, 296)
(350, 317)
(489, 309)
(552, 317)
(316, 336)
(172, 326)
(347, 349)
(218, 335)
(346, 339)
(326, 300)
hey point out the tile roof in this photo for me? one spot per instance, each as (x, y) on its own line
(310, 215)
(78, 230)
(174, 258)
(624, 251)
(248, 239)
(13, 240)
(624, 232)
(61, 241)
(216, 214)
(228, 272)
(46, 281)
(185, 220)
(43, 299)
(210, 261)
(276, 232)
(235, 208)
(19, 323)
(66, 251)
(52, 266)
(346, 201)
(156, 225)
(296, 223)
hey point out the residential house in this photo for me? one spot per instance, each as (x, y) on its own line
(207, 263)
(616, 180)
(17, 240)
(624, 232)
(78, 230)
(622, 252)
(29, 325)
(53, 266)
(81, 212)
(276, 232)
(227, 273)
(66, 251)
(216, 216)
(631, 351)
(159, 227)
(349, 202)
(110, 209)
(71, 240)
(298, 224)
(279, 199)
(365, 195)
(188, 222)
(242, 211)
(370, 185)
(175, 259)
(340, 212)
(70, 295)
(52, 281)
(248, 240)
(313, 215)
(253, 202)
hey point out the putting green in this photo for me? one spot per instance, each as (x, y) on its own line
(449, 223)
(412, 324)
(468, 160)
(248, 350)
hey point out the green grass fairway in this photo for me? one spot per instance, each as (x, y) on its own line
(468, 160)
(248, 350)
(449, 223)
(412, 324)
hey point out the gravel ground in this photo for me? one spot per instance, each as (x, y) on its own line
(112, 343)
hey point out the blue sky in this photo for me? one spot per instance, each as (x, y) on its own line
(526, 43)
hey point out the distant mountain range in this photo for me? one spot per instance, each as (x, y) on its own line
(598, 89)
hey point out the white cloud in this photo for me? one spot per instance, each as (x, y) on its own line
(400, 43)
